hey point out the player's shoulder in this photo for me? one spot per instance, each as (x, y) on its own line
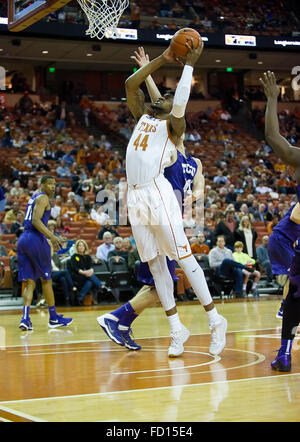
(42, 198)
(198, 162)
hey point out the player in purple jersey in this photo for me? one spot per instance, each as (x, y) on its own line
(290, 155)
(186, 178)
(280, 246)
(34, 254)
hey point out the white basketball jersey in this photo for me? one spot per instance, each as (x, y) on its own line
(149, 150)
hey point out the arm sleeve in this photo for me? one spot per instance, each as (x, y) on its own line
(182, 93)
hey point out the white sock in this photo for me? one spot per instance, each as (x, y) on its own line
(196, 276)
(254, 285)
(244, 286)
(175, 323)
(213, 316)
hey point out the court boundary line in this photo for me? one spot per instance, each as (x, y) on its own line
(274, 376)
(19, 414)
(108, 340)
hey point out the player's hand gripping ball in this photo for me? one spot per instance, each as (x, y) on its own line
(183, 36)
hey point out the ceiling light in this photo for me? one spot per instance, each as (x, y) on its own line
(89, 55)
(259, 62)
(44, 52)
(218, 61)
(1, 49)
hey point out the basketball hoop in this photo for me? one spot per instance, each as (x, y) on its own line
(103, 16)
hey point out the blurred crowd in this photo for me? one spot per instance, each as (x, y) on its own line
(273, 17)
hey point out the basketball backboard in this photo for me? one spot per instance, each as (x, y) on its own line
(23, 13)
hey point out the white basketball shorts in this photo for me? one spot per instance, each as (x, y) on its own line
(156, 220)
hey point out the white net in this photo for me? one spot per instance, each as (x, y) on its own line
(103, 16)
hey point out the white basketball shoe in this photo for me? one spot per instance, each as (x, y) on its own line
(218, 336)
(178, 338)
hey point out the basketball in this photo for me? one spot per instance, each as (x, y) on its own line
(182, 37)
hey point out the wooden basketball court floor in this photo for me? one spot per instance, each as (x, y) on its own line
(78, 374)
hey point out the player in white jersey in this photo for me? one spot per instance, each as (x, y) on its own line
(153, 209)
(117, 323)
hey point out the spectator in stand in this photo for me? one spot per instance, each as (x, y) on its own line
(207, 23)
(165, 8)
(100, 182)
(72, 197)
(104, 249)
(135, 15)
(154, 24)
(272, 224)
(250, 201)
(134, 260)
(211, 198)
(77, 187)
(30, 189)
(189, 221)
(11, 215)
(3, 250)
(183, 286)
(262, 187)
(98, 215)
(279, 166)
(63, 277)
(220, 179)
(13, 247)
(2, 198)
(270, 211)
(67, 249)
(104, 140)
(248, 262)
(52, 228)
(61, 116)
(192, 136)
(41, 166)
(247, 235)
(3, 226)
(118, 250)
(199, 246)
(61, 227)
(84, 217)
(99, 171)
(16, 191)
(231, 194)
(82, 272)
(282, 183)
(264, 258)
(227, 228)
(114, 164)
(239, 202)
(63, 171)
(225, 115)
(125, 131)
(222, 262)
(68, 158)
(9, 202)
(260, 214)
(56, 209)
(107, 227)
(244, 211)
(210, 219)
(7, 135)
(127, 245)
(68, 210)
(17, 227)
